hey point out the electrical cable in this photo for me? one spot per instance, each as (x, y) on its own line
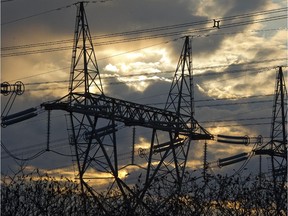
(245, 162)
(22, 159)
(45, 12)
(70, 41)
(232, 120)
(32, 147)
(47, 72)
(62, 154)
(27, 152)
(240, 125)
(114, 41)
(216, 105)
(156, 73)
(235, 98)
(38, 14)
(257, 70)
(233, 104)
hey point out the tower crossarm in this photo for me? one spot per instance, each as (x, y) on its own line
(131, 114)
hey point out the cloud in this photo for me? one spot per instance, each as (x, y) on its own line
(133, 73)
(111, 68)
(138, 68)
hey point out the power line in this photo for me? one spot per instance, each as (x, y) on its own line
(153, 73)
(240, 125)
(259, 69)
(119, 83)
(22, 159)
(233, 98)
(144, 31)
(32, 147)
(24, 151)
(232, 104)
(45, 12)
(113, 42)
(70, 41)
(233, 120)
(224, 104)
(47, 72)
(37, 14)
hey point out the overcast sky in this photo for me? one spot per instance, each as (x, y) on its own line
(235, 64)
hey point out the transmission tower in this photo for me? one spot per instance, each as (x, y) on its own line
(276, 148)
(278, 143)
(94, 119)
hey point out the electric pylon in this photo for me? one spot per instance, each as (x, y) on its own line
(93, 127)
(276, 148)
(170, 150)
(278, 141)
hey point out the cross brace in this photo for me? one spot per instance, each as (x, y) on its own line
(132, 114)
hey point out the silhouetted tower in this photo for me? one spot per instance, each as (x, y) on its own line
(93, 127)
(181, 101)
(84, 73)
(278, 143)
(170, 144)
(276, 148)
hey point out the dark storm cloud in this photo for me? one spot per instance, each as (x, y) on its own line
(132, 15)
(121, 16)
(107, 17)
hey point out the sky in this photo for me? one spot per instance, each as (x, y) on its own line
(234, 69)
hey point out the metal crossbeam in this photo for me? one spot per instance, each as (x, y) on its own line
(132, 114)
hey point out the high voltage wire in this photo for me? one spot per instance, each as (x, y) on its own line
(233, 98)
(107, 84)
(14, 156)
(54, 142)
(47, 72)
(149, 30)
(233, 120)
(260, 69)
(216, 105)
(70, 41)
(45, 12)
(233, 104)
(111, 42)
(153, 73)
(59, 142)
(240, 125)
(22, 159)
(145, 37)
(37, 14)
(32, 148)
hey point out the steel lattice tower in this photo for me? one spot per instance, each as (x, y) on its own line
(276, 148)
(278, 141)
(93, 127)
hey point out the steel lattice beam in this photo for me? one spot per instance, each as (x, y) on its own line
(132, 114)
